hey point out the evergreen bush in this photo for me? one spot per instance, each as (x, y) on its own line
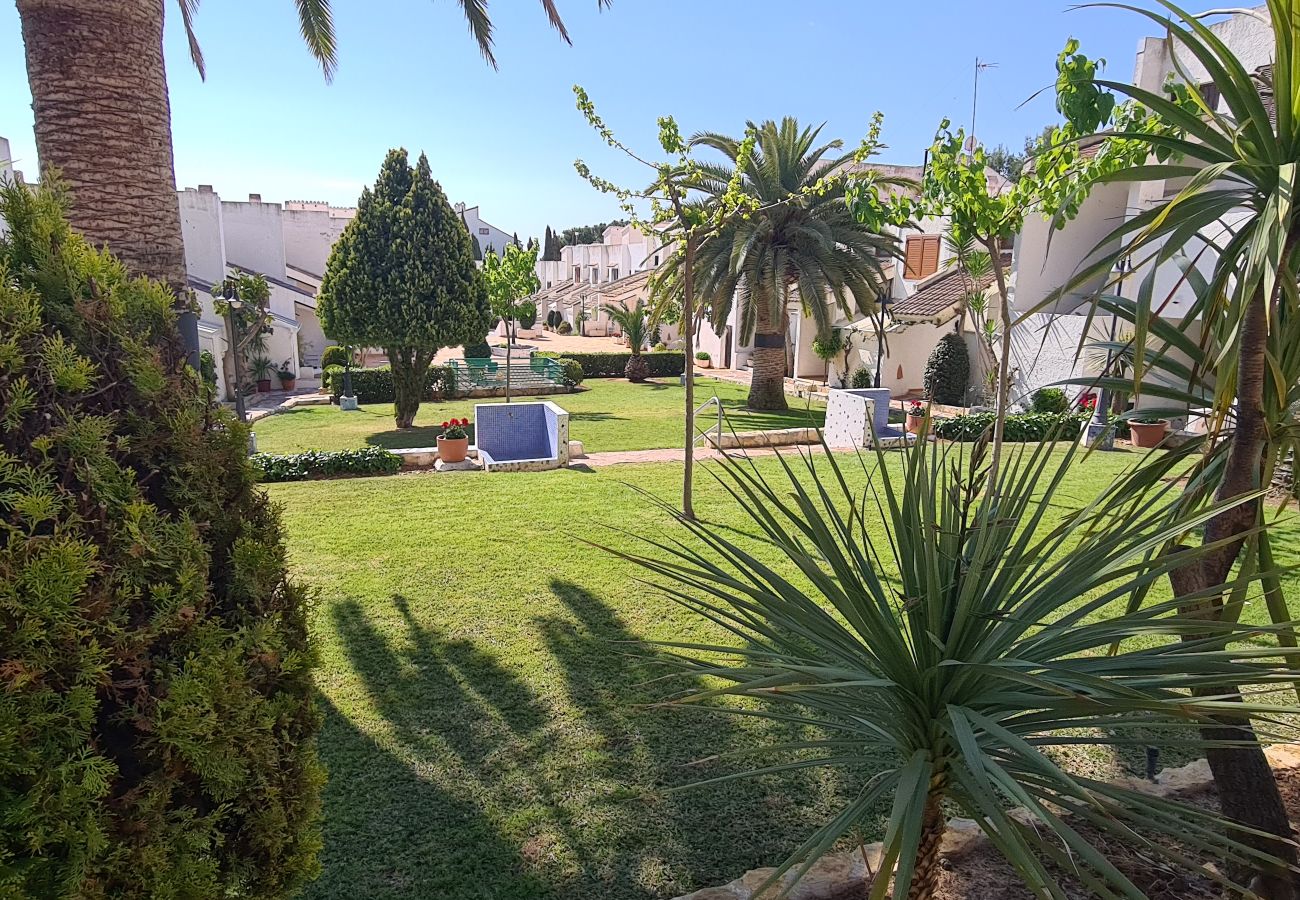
(477, 350)
(573, 373)
(526, 314)
(1051, 401)
(323, 464)
(334, 355)
(554, 318)
(564, 328)
(862, 378)
(614, 365)
(1019, 428)
(947, 372)
(157, 730)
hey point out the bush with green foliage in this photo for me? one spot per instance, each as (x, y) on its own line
(572, 369)
(323, 464)
(554, 318)
(862, 378)
(660, 347)
(564, 328)
(477, 350)
(334, 355)
(829, 347)
(947, 372)
(1051, 401)
(376, 385)
(1019, 428)
(157, 729)
(703, 355)
(208, 369)
(526, 314)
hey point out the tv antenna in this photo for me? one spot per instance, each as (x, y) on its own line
(980, 66)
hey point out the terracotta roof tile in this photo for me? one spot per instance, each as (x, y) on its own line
(936, 297)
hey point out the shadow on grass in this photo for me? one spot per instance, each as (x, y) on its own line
(419, 436)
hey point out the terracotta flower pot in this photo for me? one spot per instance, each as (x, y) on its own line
(914, 423)
(704, 363)
(1148, 434)
(453, 450)
(263, 385)
(287, 384)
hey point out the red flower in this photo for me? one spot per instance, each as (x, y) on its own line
(446, 424)
(464, 421)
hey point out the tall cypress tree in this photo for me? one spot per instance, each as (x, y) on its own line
(402, 277)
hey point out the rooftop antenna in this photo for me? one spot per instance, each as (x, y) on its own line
(980, 65)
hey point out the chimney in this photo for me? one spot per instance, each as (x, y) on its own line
(254, 198)
(205, 189)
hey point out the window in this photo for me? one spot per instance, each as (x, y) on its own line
(656, 259)
(921, 257)
(577, 273)
(485, 231)
(594, 274)
(1210, 94)
(613, 274)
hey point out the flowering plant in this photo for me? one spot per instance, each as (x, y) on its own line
(1088, 402)
(454, 429)
(915, 408)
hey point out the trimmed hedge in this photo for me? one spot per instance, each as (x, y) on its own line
(659, 364)
(1019, 428)
(1051, 401)
(376, 385)
(322, 464)
(333, 355)
(947, 371)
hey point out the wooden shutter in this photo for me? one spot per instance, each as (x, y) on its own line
(921, 256)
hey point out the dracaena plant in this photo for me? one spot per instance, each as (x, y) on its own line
(967, 641)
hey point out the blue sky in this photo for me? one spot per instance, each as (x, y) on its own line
(410, 76)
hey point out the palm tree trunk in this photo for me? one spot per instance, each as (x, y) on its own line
(925, 878)
(99, 95)
(767, 383)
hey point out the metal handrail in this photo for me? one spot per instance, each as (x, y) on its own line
(702, 436)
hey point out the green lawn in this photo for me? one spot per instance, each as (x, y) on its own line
(487, 729)
(612, 415)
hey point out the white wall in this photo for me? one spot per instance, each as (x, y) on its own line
(308, 235)
(254, 234)
(201, 230)
(488, 235)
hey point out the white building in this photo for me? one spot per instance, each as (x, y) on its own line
(286, 245)
(489, 237)
(1046, 260)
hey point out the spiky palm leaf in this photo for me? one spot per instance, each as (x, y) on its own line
(633, 322)
(964, 643)
(316, 21)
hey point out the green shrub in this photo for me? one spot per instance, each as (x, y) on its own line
(573, 373)
(322, 464)
(334, 355)
(1019, 428)
(863, 378)
(526, 314)
(703, 355)
(1051, 401)
(157, 730)
(829, 347)
(564, 328)
(208, 369)
(614, 365)
(376, 385)
(554, 318)
(660, 347)
(947, 371)
(480, 350)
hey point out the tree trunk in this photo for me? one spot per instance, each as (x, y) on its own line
(410, 367)
(1248, 792)
(688, 370)
(767, 383)
(925, 878)
(1004, 364)
(99, 96)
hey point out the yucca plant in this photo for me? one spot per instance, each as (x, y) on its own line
(1232, 169)
(967, 643)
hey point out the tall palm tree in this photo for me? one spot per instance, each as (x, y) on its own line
(99, 94)
(809, 245)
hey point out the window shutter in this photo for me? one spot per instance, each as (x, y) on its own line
(930, 255)
(921, 256)
(912, 259)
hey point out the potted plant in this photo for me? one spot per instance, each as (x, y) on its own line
(288, 377)
(262, 369)
(1147, 431)
(453, 443)
(915, 417)
(703, 360)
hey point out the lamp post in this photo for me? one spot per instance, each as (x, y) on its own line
(1100, 435)
(230, 294)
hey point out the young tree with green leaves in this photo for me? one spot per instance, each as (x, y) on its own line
(402, 277)
(510, 279)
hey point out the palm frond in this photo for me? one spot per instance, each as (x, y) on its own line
(316, 21)
(189, 8)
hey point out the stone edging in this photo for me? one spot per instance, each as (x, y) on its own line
(836, 874)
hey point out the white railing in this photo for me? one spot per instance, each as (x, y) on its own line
(702, 436)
